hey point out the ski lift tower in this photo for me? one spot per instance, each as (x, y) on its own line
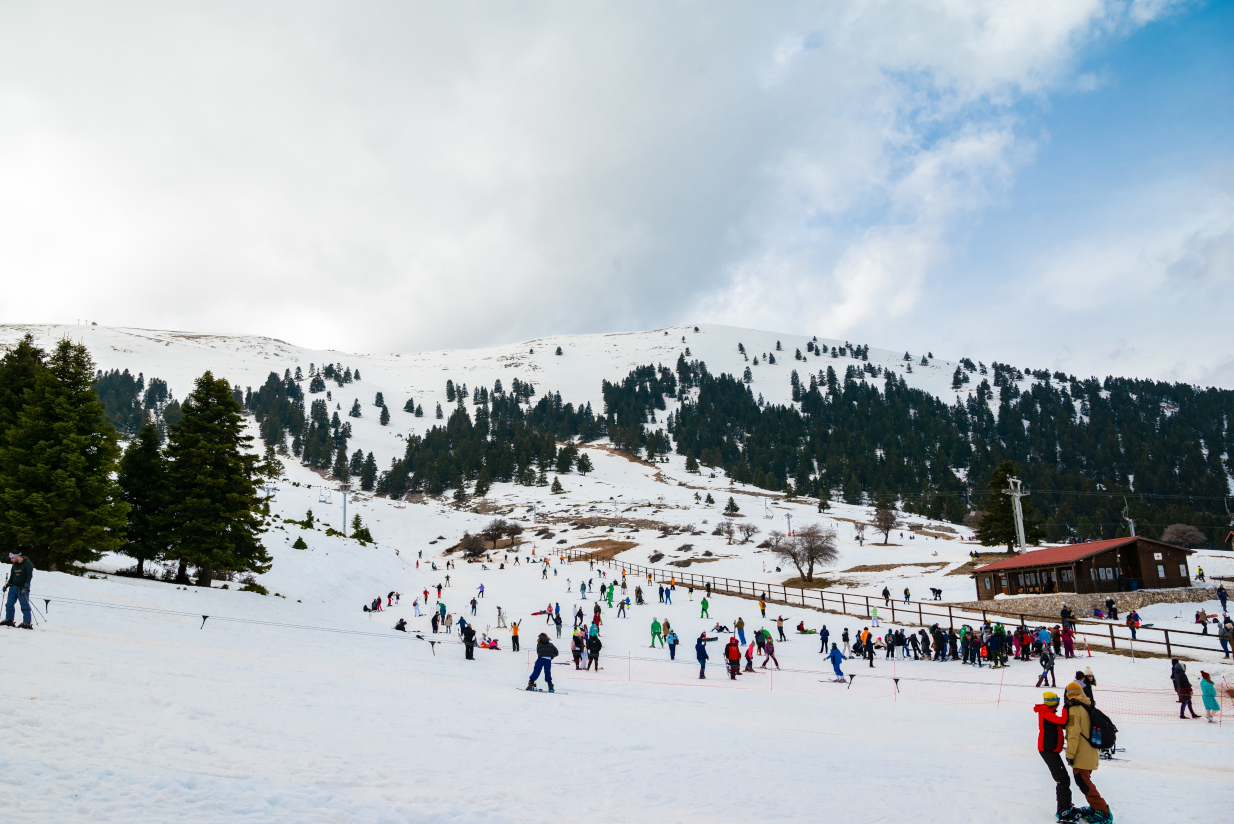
(1017, 492)
(1127, 517)
(788, 516)
(344, 487)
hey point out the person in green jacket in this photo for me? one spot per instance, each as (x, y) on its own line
(611, 588)
(18, 587)
(704, 604)
(1208, 690)
(655, 633)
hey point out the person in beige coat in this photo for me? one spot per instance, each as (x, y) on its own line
(1083, 756)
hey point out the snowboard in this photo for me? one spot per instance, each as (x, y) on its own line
(537, 689)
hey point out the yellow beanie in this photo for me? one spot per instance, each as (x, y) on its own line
(1074, 690)
(1050, 698)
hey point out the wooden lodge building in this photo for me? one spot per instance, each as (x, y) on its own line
(1115, 565)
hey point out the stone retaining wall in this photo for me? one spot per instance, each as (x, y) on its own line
(1083, 605)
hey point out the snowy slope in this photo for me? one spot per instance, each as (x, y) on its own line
(128, 704)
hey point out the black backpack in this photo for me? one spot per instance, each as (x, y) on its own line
(1103, 735)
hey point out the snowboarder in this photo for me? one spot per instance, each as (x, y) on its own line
(18, 587)
(1050, 744)
(545, 653)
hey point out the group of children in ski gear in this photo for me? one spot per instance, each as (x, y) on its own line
(1072, 733)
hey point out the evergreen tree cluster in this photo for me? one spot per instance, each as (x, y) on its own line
(1142, 438)
(631, 404)
(329, 372)
(506, 441)
(130, 402)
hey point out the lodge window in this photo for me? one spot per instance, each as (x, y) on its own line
(987, 582)
(1160, 570)
(1065, 575)
(1182, 570)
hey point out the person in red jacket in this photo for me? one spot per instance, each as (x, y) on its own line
(1050, 744)
(732, 655)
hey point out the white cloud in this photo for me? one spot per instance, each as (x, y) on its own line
(392, 176)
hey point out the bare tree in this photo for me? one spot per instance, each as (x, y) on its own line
(471, 545)
(512, 531)
(727, 530)
(494, 530)
(747, 532)
(774, 538)
(973, 519)
(810, 546)
(1183, 534)
(884, 521)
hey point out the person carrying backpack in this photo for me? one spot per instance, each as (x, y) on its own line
(1083, 753)
(1050, 742)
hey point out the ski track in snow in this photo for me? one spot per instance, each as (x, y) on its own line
(115, 715)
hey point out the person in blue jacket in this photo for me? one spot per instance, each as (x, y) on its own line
(836, 657)
(700, 652)
(823, 635)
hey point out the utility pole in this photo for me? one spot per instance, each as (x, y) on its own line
(788, 516)
(343, 487)
(1016, 492)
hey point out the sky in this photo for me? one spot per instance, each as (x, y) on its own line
(1047, 183)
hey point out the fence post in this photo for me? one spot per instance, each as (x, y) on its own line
(803, 597)
(950, 618)
(920, 617)
(843, 605)
(1112, 646)
(1168, 652)
(893, 612)
(867, 597)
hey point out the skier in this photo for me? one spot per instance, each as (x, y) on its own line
(501, 617)
(836, 657)
(545, 653)
(18, 587)
(1047, 669)
(1050, 745)
(780, 626)
(655, 632)
(1083, 756)
(732, 654)
(769, 650)
(704, 604)
(481, 589)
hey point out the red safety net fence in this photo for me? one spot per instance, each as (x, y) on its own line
(890, 680)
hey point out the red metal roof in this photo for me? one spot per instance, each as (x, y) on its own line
(1066, 554)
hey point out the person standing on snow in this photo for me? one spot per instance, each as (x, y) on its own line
(672, 640)
(700, 652)
(514, 636)
(18, 587)
(874, 615)
(762, 607)
(780, 626)
(593, 651)
(469, 643)
(577, 644)
(1050, 745)
(1083, 756)
(886, 598)
(823, 635)
(1047, 669)
(740, 626)
(769, 650)
(704, 604)
(655, 632)
(836, 657)
(1208, 691)
(545, 653)
(732, 655)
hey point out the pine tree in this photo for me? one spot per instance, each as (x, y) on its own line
(691, 464)
(211, 484)
(356, 464)
(385, 416)
(368, 473)
(558, 350)
(299, 544)
(410, 406)
(143, 480)
(731, 507)
(997, 526)
(420, 410)
(341, 470)
(440, 414)
(356, 374)
(557, 487)
(852, 489)
(542, 478)
(583, 464)
(60, 505)
(18, 370)
(824, 500)
(355, 409)
(449, 391)
(484, 482)
(747, 376)
(709, 500)
(379, 400)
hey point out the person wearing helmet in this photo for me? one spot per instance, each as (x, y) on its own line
(1050, 742)
(732, 656)
(1082, 755)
